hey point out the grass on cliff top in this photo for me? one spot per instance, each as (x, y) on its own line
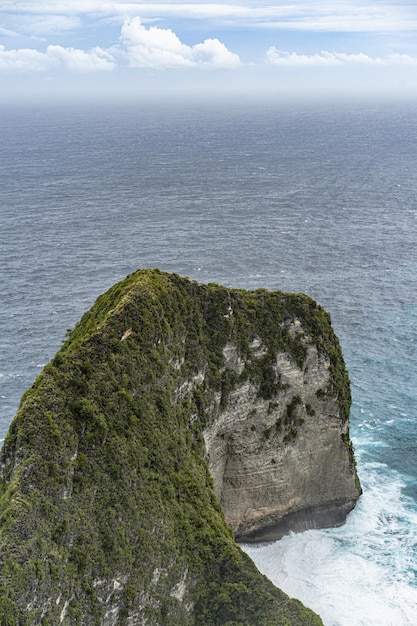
(103, 475)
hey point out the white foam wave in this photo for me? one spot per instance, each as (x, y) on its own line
(363, 574)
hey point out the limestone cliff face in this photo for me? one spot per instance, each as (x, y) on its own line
(172, 409)
(282, 464)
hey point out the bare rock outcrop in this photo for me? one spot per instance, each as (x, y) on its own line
(284, 463)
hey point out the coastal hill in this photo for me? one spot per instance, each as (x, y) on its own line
(176, 419)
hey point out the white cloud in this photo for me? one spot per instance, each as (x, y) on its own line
(29, 60)
(81, 61)
(25, 59)
(323, 15)
(51, 24)
(5, 32)
(162, 48)
(214, 53)
(139, 47)
(325, 58)
(401, 59)
(153, 47)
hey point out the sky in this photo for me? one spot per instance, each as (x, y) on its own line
(121, 49)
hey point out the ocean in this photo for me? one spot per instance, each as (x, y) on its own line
(313, 198)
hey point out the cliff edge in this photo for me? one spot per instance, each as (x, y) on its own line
(175, 418)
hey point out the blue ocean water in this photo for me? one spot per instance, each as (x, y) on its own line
(318, 199)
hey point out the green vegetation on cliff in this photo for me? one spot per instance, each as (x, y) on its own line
(107, 509)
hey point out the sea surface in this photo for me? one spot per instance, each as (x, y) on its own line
(320, 199)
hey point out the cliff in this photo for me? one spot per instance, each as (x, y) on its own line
(280, 458)
(167, 398)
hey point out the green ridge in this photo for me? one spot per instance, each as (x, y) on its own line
(103, 475)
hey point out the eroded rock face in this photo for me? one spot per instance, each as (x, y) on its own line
(282, 464)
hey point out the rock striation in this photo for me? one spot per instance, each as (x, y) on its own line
(176, 418)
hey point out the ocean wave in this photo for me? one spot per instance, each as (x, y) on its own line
(362, 574)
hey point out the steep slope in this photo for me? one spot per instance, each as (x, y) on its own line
(108, 512)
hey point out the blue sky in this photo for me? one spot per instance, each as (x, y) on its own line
(117, 49)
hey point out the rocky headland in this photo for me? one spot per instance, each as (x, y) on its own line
(176, 419)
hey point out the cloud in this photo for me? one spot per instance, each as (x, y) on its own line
(4, 32)
(153, 47)
(25, 59)
(326, 59)
(323, 15)
(162, 48)
(81, 61)
(214, 53)
(140, 47)
(29, 60)
(401, 59)
(51, 24)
